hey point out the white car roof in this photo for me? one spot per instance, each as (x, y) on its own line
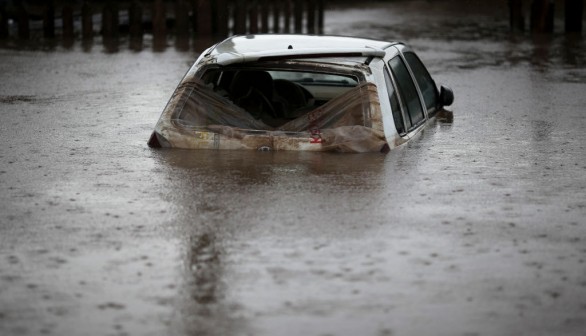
(248, 48)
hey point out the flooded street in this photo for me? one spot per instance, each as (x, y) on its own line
(477, 227)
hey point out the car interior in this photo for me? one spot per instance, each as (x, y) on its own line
(277, 96)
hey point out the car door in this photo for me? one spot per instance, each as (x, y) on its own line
(412, 90)
(406, 101)
(425, 84)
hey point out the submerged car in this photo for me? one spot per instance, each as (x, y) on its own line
(299, 92)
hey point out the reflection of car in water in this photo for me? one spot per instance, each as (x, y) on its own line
(296, 92)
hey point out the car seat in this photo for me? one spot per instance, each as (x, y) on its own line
(252, 90)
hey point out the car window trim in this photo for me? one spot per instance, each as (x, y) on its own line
(425, 117)
(432, 110)
(399, 98)
(414, 80)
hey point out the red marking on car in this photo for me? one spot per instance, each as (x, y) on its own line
(315, 136)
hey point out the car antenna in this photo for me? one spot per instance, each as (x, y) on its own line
(290, 47)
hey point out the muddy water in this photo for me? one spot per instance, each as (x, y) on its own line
(475, 228)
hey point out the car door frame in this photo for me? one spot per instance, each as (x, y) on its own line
(398, 50)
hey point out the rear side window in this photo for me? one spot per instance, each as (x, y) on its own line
(407, 91)
(395, 105)
(424, 80)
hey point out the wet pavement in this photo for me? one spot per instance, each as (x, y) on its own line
(475, 228)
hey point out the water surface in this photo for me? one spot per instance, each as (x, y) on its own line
(474, 228)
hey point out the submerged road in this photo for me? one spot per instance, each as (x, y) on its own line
(475, 228)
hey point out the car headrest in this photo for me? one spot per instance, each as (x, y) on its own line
(246, 79)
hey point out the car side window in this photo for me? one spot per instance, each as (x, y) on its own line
(395, 104)
(407, 91)
(424, 80)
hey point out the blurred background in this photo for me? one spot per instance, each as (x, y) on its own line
(185, 21)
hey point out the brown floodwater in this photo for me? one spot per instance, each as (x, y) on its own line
(476, 227)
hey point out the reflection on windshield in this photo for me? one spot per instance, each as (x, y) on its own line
(313, 78)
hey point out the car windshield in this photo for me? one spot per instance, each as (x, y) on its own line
(277, 96)
(234, 103)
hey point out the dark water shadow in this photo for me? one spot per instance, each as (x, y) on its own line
(68, 43)
(34, 44)
(203, 42)
(87, 45)
(573, 50)
(160, 43)
(111, 44)
(136, 43)
(182, 43)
